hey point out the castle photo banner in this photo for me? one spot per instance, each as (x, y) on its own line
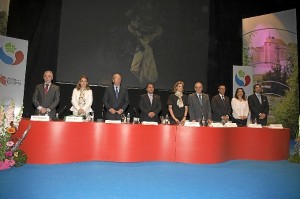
(270, 47)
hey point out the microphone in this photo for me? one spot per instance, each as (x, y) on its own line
(136, 115)
(57, 114)
(102, 111)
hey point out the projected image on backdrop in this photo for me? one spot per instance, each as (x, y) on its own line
(145, 41)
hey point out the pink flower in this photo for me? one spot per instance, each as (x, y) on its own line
(9, 143)
(12, 162)
(8, 154)
(5, 164)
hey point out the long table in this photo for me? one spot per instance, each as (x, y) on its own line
(57, 142)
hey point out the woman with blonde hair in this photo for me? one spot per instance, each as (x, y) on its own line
(178, 104)
(82, 98)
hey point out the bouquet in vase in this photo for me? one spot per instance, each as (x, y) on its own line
(10, 154)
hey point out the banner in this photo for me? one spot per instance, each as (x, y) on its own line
(270, 47)
(242, 78)
(13, 56)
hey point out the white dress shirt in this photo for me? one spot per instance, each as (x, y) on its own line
(150, 97)
(239, 108)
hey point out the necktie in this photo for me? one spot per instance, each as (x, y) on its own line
(200, 99)
(46, 88)
(117, 92)
(223, 100)
(151, 98)
(259, 98)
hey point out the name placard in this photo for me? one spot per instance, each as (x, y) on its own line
(276, 126)
(73, 119)
(216, 124)
(43, 118)
(192, 124)
(254, 125)
(149, 123)
(113, 121)
(229, 124)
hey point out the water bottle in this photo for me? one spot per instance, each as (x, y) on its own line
(203, 120)
(128, 118)
(255, 121)
(92, 116)
(167, 119)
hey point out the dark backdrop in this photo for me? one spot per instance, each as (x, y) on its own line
(97, 42)
(38, 21)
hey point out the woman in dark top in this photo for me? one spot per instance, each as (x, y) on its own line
(178, 104)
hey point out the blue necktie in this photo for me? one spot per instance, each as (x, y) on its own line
(117, 92)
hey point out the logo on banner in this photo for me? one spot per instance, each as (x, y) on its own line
(242, 79)
(10, 55)
(3, 80)
(9, 81)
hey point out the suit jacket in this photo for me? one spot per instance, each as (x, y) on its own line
(49, 100)
(88, 96)
(220, 108)
(111, 101)
(145, 107)
(256, 107)
(196, 110)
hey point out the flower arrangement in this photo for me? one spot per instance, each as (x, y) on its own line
(10, 154)
(295, 157)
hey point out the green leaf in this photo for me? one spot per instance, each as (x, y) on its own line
(10, 47)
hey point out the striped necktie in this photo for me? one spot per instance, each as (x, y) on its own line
(200, 98)
(117, 92)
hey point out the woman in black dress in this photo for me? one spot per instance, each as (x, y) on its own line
(178, 104)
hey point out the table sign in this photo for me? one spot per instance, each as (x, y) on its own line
(73, 119)
(230, 124)
(43, 118)
(254, 125)
(276, 126)
(149, 123)
(113, 121)
(192, 124)
(216, 124)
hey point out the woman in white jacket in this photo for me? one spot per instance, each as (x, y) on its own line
(240, 107)
(82, 98)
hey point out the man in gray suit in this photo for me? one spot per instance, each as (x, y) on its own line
(46, 96)
(115, 98)
(149, 105)
(199, 105)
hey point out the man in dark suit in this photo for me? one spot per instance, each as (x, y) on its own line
(220, 104)
(259, 106)
(199, 105)
(149, 105)
(115, 99)
(46, 96)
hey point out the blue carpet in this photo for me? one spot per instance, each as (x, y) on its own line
(233, 179)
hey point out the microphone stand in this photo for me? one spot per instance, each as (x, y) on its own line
(135, 113)
(57, 114)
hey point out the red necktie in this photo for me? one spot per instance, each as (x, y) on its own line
(46, 89)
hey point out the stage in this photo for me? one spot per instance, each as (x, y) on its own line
(58, 142)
